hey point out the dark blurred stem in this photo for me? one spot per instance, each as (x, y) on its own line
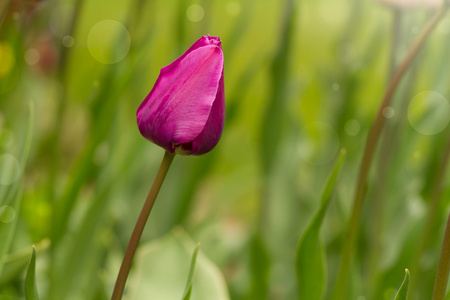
(139, 227)
(372, 140)
(384, 161)
(396, 27)
(432, 215)
(440, 284)
(4, 5)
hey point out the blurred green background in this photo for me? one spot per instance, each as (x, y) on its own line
(303, 79)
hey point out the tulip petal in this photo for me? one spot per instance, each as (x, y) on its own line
(179, 105)
(212, 131)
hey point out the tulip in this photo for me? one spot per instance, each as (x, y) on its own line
(185, 111)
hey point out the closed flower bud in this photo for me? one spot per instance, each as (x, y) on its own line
(185, 111)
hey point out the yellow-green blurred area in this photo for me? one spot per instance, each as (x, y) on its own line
(303, 79)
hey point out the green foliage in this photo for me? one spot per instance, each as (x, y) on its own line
(188, 290)
(303, 79)
(310, 259)
(403, 290)
(163, 265)
(30, 279)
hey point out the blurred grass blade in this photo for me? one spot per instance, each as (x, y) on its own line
(161, 266)
(273, 117)
(403, 291)
(187, 292)
(310, 261)
(30, 279)
(14, 195)
(15, 264)
(260, 269)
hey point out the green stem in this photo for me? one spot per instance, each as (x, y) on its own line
(139, 227)
(432, 214)
(372, 140)
(383, 164)
(4, 5)
(440, 284)
(395, 41)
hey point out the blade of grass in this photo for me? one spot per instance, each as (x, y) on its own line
(440, 284)
(188, 290)
(16, 263)
(310, 260)
(342, 282)
(15, 194)
(403, 290)
(432, 213)
(30, 279)
(259, 268)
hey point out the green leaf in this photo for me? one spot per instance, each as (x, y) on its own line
(403, 291)
(15, 264)
(161, 267)
(187, 292)
(10, 200)
(310, 261)
(30, 279)
(259, 268)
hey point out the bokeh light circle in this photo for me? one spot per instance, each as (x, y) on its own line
(195, 13)
(388, 112)
(68, 41)
(7, 214)
(109, 41)
(319, 143)
(9, 169)
(32, 56)
(352, 127)
(429, 112)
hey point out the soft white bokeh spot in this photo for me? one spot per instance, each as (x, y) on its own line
(388, 112)
(352, 127)
(7, 214)
(109, 41)
(319, 143)
(195, 13)
(68, 41)
(336, 87)
(9, 169)
(429, 112)
(32, 56)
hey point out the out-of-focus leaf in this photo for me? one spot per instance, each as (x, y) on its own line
(30, 279)
(16, 263)
(260, 269)
(14, 194)
(403, 291)
(271, 126)
(310, 261)
(162, 266)
(187, 292)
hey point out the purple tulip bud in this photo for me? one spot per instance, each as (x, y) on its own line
(185, 111)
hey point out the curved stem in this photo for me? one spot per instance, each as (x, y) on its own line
(440, 284)
(139, 227)
(371, 143)
(432, 216)
(4, 5)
